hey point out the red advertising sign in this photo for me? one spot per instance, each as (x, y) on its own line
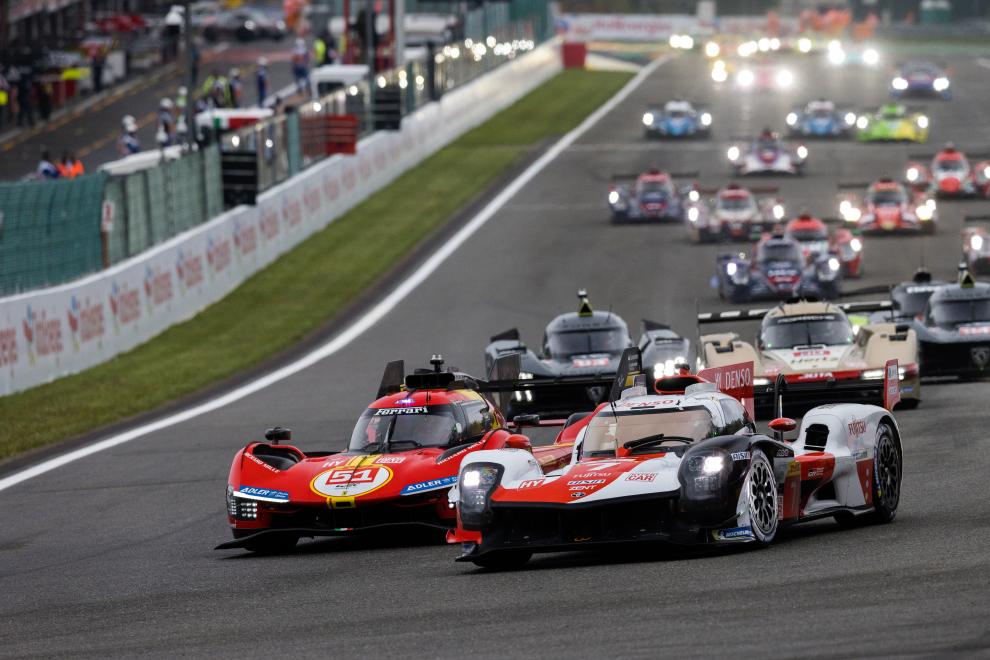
(891, 385)
(736, 380)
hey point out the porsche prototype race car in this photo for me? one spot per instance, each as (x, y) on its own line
(821, 118)
(653, 195)
(954, 333)
(777, 270)
(582, 344)
(734, 213)
(402, 458)
(820, 353)
(677, 118)
(816, 240)
(921, 79)
(893, 122)
(767, 154)
(949, 173)
(908, 300)
(976, 245)
(687, 466)
(887, 207)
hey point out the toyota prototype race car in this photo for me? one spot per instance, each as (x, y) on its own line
(887, 208)
(954, 333)
(402, 458)
(820, 353)
(578, 345)
(653, 195)
(677, 118)
(821, 119)
(893, 122)
(778, 270)
(767, 154)
(921, 79)
(816, 240)
(976, 245)
(683, 466)
(949, 173)
(734, 214)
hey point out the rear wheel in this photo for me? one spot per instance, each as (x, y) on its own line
(272, 544)
(761, 493)
(503, 560)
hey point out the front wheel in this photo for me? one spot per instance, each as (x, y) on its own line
(761, 496)
(887, 468)
(503, 560)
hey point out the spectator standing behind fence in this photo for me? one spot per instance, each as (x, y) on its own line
(236, 88)
(46, 169)
(70, 167)
(128, 143)
(300, 66)
(165, 135)
(25, 104)
(261, 78)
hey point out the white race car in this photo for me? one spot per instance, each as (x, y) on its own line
(767, 154)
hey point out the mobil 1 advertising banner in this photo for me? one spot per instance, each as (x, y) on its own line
(736, 380)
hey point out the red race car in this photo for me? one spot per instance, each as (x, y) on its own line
(734, 213)
(813, 235)
(949, 174)
(888, 207)
(402, 459)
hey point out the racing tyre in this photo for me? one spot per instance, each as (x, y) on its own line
(887, 470)
(503, 560)
(272, 544)
(762, 499)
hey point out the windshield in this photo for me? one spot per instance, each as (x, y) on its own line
(405, 428)
(887, 197)
(735, 203)
(654, 187)
(608, 430)
(951, 165)
(677, 114)
(767, 144)
(806, 330)
(585, 342)
(891, 111)
(804, 235)
(821, 113)
(948, 314)
(779, 252)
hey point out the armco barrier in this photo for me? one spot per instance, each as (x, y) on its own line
(52, 332)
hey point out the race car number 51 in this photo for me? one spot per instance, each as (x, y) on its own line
(351, 481)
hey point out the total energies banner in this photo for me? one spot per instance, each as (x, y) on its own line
(659, 27)
(49, 333)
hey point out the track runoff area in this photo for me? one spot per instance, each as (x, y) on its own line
(111, 553)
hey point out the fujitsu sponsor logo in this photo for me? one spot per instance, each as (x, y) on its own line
(268, 223)
(245, 238)
(8, 346)
(218, 254)
(857, 427)
(189, 268)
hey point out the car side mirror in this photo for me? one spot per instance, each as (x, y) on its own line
(278, 434)
(519, 442)
(782, 425)
(526, 420)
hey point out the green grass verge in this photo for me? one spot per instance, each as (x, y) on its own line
(324, 273)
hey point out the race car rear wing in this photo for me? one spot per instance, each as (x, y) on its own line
(886, 388)
(758, 314)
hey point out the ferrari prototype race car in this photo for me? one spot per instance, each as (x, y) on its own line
(653, 195)
(734, 213)
(822, 119)
(777, 270)
(677, 118)
(767, 154)
(893, 122)
(949, 173)
(921, 79)
(954, 333)
(402, 458)
(886, 208)
(976, 245)
(819, 352)
(686, 466)
(816, 240)
(579, 345)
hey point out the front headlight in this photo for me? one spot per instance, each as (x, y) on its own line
(731, 268)
(922, 121)
(900, 84)
(231, 502)
(836, 56)
(941, 84)
(912, 174)
(850, 118)
(763, 44)
(694, 195)
(791, 118)
(924, 212)
(693, 214)
(778, 211)
(648, 119)
(476, 484)
(761, 382)
(719, 74)
(851, 213)
(873, 374)
(871, 56)
(613, 197)
(745, 78)
(667, 367)
(712, 464)
(804, 45)
(833, 264)
(712, 49)
(856, 245)
(862, 123)
(706, 119)
(976, 243)
(802, 152)
(784, 78)
(733, 153)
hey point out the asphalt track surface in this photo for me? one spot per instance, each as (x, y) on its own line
(112, 555)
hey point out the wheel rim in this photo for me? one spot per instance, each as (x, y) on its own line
(888, 471)
(762, 498)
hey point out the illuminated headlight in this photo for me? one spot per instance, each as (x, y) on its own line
(731, 268)
(675, 41)
(745, 78)
(778, 211)
(804, 45)
(899, 83)
(850, 118)
(693, 214)
(924, 212)
(871, 56)
(712, 49)
(834, 44)
(746, 48)
(719, 74)
(941, 84)
(873, 374)
(712, 464)
(833, 264)
(525, 375)
(802, 152)
(613, 197)
(912, 174)
(231, 502)
(648, 119)
(784, 78)
(706, 119)
(850, 212)
(761, 382)
(694, 195)
(524, 395)
(775, 44)
(475, 487)
(763, 44)
(666, 368)
(687, 42)
(862, 123)
(836, 56)
(733, 153)
(930, 203)
(791, 118)
(856, 245)
(922, 121)
(986, 172)
(976, 242)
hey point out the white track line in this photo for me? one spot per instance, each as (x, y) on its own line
(984, 62)
(369, 319)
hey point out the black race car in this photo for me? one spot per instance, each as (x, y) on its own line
(954, 333)
(908, 298)
(580, 348)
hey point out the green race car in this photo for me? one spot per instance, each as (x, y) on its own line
(893, 122)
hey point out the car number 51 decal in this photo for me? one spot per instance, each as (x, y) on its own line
(351, 481)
